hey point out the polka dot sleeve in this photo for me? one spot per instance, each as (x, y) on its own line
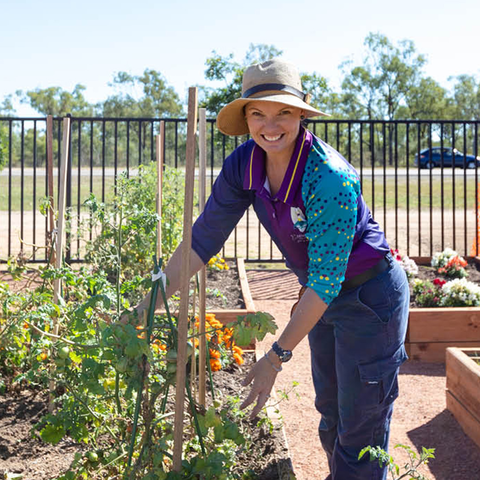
(330, 189)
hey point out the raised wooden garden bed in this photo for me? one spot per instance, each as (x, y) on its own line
(432, 330)
(227, 316)
(463, 389)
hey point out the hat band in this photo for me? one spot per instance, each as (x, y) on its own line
(274, 86)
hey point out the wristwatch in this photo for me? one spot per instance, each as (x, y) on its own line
(283, 355)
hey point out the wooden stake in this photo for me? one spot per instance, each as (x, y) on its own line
(185, 279)
(61, 209)
(160, 160)
(60, 230)
(202, 167)
(51, 198)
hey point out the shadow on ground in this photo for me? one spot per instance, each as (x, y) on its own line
(414, 367)
(456, 456)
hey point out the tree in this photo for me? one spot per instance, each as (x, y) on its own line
(466, 95)
(58, 102)
(426, 100)
(157, 99)
(378, 88)
(230, 73)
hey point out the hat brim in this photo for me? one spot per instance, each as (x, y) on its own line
(231, 118)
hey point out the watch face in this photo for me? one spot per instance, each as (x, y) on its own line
(286, 356)
(283, 355)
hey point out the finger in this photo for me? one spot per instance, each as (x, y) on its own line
(251, 397)
(248, 379)
(262, 400)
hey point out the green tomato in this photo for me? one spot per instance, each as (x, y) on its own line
(92, 457)
(59, 362)
(122, 365)
(171, 368)
(171, 356)
(63, 352)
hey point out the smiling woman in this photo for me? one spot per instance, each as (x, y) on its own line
(354, 297)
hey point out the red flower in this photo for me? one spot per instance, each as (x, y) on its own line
(439, 282)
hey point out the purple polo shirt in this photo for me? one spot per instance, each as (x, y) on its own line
(242, 183)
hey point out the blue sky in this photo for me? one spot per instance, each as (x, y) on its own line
(53, 43)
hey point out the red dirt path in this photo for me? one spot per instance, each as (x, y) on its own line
(420, 416)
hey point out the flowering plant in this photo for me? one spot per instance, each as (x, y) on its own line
(409, 265)
(440, 259)
(440, 293)
(426, 293)
(222, 348)
(217, 263)
(460, 293)
(455, 268)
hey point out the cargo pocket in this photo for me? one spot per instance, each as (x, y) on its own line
(379, 379)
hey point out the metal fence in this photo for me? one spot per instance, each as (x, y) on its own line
(421, 210)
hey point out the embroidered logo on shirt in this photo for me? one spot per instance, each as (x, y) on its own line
(298, 219)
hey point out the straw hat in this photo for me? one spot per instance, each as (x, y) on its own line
(271, 81)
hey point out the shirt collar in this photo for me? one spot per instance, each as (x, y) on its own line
(255, 171)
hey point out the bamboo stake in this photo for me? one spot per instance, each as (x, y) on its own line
(51, 198)
(61, 209)
(60, 231)
(202, 167)
(160, 160)
(185, 280)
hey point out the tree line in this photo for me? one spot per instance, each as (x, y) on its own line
(388, 84)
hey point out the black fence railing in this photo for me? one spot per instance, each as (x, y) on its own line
(422, 209)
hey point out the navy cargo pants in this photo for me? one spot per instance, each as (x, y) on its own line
(357, 348)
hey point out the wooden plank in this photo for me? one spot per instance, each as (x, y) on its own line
(470, 425)
(463, 380)
(185, 279)
(433, 352)
(202, 279)
(247, 296)
(444, 324)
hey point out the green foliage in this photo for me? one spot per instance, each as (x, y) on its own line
(252, 326)
(124, 231)
(377, 88)
(158, 99)
(411, 467)
(230, 73)
(58, 102)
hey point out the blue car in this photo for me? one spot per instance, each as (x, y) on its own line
(445, 157)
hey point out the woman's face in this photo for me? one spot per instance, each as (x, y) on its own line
(273, 126)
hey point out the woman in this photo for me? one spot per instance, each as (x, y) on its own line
(354, 300)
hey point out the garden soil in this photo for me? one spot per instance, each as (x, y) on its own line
(420, 416)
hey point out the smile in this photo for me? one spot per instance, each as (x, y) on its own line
(272, 139)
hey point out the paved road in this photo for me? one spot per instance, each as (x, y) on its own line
(367, 172)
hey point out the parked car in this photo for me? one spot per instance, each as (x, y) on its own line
(446, 157)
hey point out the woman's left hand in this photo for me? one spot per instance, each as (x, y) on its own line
(263, 376)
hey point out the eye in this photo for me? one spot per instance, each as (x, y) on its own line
(286, 112)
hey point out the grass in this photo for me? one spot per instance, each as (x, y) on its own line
(385, 194)
(28, 191)
(438, 194)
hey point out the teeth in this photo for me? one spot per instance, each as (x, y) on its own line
(272, 139)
